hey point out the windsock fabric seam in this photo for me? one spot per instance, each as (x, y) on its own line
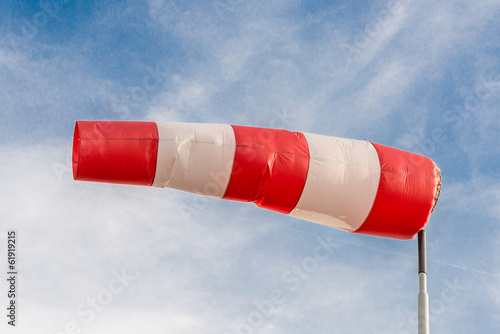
(406, 174)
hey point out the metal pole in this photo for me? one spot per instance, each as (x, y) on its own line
(423, 297)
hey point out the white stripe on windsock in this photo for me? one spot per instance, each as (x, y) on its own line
(341, 184)
(193, 157)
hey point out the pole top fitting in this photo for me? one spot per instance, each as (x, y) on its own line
(422, 256)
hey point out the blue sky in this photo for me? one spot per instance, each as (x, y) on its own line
(422, 76)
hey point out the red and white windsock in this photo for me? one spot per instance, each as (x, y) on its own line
(353, 185)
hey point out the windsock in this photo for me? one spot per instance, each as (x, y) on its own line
(352, 185)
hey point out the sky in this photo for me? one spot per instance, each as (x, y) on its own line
(422, 76)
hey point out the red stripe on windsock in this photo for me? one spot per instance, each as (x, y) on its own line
(120, 152)
(407, 192)
(270, 168)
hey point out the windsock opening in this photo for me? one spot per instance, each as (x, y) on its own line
(115, 152)
(76, 150)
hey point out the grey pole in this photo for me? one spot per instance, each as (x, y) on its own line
(423, 297)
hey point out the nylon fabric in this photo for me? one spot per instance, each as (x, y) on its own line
(406, 194)
(121, 152)
(194, 157)
(270, 167)
(342, 183)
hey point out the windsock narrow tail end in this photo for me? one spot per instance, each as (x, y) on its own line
(408, 190)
